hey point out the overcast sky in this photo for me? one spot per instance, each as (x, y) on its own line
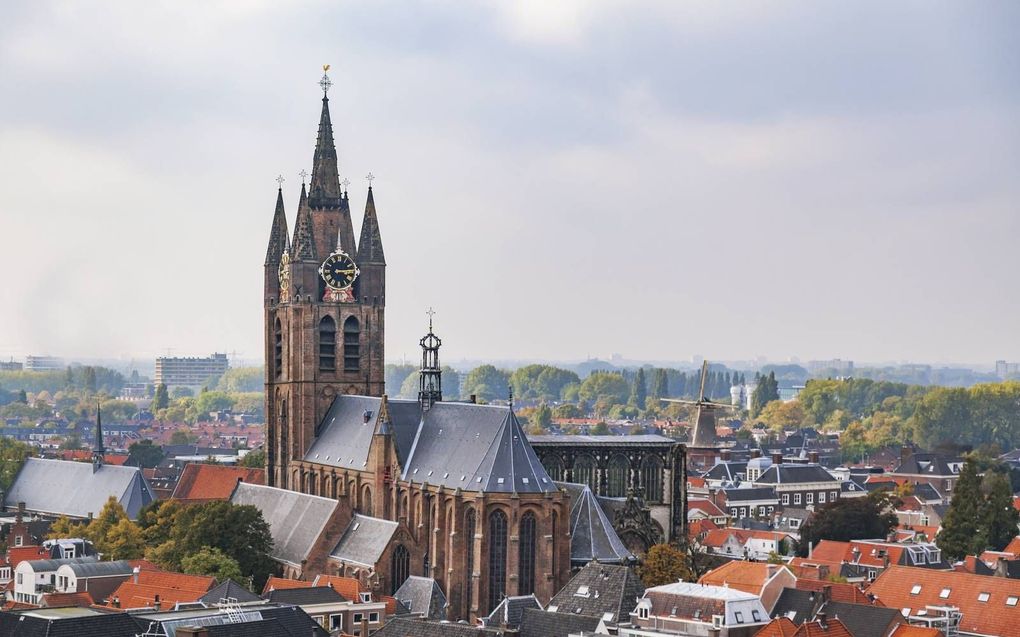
(558, 179)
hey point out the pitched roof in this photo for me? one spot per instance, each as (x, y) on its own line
(60, 623)
(751, 494)
(1013, 547)
(693, 601)
(704, 505)
(796, 605)
(838, 591)
(229, 589)
(63, 600)
(906, 630)
(408, 627)
(77, 489)
(538, 623)
(749, 577)
(364, 540)
(508, 612)
(864, 620)
(598, 589)
(795, 474)
(455, 445)
(423, 597)
(200, 482)
(923, 463)
(983, 601)
(274, 583)
(295, 519)
(829, 628)
(592, 536)
(778, 627)
(306, 595)
(348, 587)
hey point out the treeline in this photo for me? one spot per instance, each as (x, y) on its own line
(85, 378)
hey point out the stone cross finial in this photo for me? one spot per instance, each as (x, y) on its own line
(304, 174)
(370, 177)
(430, 312)
(280, 180)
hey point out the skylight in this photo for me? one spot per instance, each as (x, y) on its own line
(1011, 600)
(983, 597)
(945, 593)
(916, 589)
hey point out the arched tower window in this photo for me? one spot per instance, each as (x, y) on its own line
(352, 345)
(584, 471)
(327, 344)
(651, 478)
(469, 531)
(526, 554)
(619, 468)
(400, 567)
(366, 501)
(497, 558)
(278, 349)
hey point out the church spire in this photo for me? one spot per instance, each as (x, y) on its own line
(370, 250)
(303, 246)
(98, 451)
(279, 242)
(324, 190)
(430, 380)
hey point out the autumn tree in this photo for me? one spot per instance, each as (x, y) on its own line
(212, 562)
(664, 564)
(780, 416)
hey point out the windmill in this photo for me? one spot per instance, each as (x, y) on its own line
(704, 427)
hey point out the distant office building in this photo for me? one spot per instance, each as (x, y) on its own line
(43, 363)
(10, 366)
(842, 367)
(189, 371)
(1004, 369)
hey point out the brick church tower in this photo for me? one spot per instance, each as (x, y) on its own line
(324, 302)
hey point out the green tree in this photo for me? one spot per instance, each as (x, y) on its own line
(766, 392)
(541, 382)
(600, 429)
(853, 442)
(72, 442)
(89, 379)
(182, 437)
(541, 417)
(959, 534)
(849, 519)
(213, 401)
(639, 390)
(254, 459)
(411, 386)
(63, 527)
(660, 387)
(664, 564)
(161, 400)
(566, 410)
(395, 377)
(118, 410)
(124, 541)
(212, 562)
(998, 516)
(145, 454)
(610, 387)
(242, 379)
(12, 455)
(487, 383)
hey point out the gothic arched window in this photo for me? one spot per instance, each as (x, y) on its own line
(469, 532)
(619, 470)
(553, 467)
(651, 478)
(327, 344)
(526, 554)
(400, 568)
(497, 558)
(278, 349)
(366, 501)
(584, 471)
(352, 345)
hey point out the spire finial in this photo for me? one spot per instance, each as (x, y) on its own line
(346, 182)
(303, 174)
(430, 312)
(370, 177)
(325, 82)
(279, 181)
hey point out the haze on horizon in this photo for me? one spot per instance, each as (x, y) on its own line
(558, 180)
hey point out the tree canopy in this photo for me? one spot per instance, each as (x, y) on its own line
(849, 519)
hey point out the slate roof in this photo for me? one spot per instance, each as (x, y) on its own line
(423, 597)
(537, 623)
(229, 589)
(407, 627)
(922, 463)
(364, 540)
(455, 445)
(295, 519)
(592, 536)
(508, 612)
(610, 589)
(60, 623)
(101, 569)
(601, 441)
(749, 495)
(796, 605)
(794, 473)
(927, 492)
(864, 620)
(262, 628)
(728, 471)
(46, 566)
(306, 595)
(75, 489)
(294, 621)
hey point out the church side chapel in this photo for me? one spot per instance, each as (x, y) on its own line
(381, 489)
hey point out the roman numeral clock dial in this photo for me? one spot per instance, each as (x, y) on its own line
(339, 273)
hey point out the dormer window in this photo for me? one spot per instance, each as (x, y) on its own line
(642, 612)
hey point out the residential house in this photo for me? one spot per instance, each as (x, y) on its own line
(754, 502)
(603, 591)
(751, 544)
(32, 578)
(800, 485)
(938, 470)
(972, 604)
(686, 608)
(705, 509)
(767, 581)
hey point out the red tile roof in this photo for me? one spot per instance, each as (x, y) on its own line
(1013, 546)
(18, 554)
(749, 577)
(348, 587)
(705, 506)
(778, 627)
(204, 482)
(64, 600)
(994, 616)
(167, 579)
(718, 537)
(279, 583)
(171, 588)
(838, 591)
(906, 630)
(783, 627)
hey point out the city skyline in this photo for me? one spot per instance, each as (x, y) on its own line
(685, 196)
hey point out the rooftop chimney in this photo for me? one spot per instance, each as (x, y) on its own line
(777, 457)
(725, 455)
(21, 513)
(156, 603)
(756, 453)
(134, 574)
(813, 457)
(905, 452)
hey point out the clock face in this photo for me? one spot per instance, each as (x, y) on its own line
(339, 271)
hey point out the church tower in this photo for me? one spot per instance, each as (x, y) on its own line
(324, 307)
